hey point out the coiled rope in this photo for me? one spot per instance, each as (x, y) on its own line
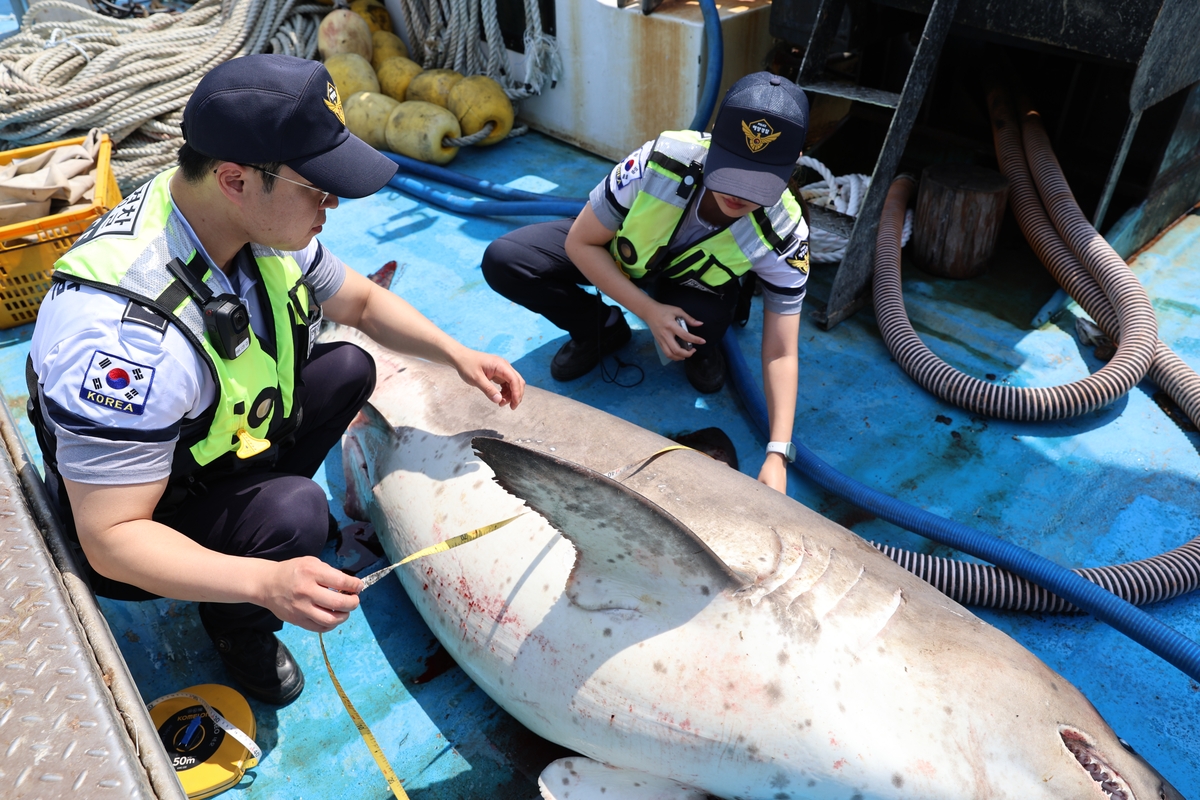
(481, 134)
(845, 195)
(444, 34)
(132, 77)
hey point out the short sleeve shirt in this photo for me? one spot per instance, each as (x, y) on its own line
(84, 349)
(783, 272)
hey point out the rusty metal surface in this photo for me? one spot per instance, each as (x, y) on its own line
(60, 733)
(1117, 31)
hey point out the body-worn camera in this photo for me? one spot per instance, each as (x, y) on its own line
(227, 323)
(226, 320)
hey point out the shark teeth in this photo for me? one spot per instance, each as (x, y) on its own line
(1105, 776)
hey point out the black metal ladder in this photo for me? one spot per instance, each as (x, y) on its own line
(849, 292)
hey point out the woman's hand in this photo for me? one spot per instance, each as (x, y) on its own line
(663, 322)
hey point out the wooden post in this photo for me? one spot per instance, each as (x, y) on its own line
(959, 210)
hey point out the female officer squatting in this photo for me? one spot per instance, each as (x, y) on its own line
(667, 235)
(180, 400)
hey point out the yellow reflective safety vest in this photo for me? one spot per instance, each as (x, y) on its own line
(669, 181)
(125, 253)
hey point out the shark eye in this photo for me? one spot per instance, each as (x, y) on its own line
(1127, 746)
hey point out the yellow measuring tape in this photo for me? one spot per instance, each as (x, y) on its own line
(376, 752)
(455, 541)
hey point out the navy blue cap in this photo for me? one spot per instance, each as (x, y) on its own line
(757, 138)
(263, 108)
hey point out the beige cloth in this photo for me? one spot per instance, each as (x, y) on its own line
(56, 180)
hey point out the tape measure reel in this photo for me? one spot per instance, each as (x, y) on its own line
(208, 732)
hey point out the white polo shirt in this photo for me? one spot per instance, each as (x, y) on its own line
(783, 285)
(83, 352)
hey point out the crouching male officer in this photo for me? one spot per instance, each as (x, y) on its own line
(181, 404)
(667, 235)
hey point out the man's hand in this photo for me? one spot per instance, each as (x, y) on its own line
(493, 376)
(309, 593)
(774, 472)
(663, 322)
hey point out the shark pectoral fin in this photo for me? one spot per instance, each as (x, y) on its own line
(372, 416)
(366, 432)
(581, 778)
(358, 490)
(631, 554)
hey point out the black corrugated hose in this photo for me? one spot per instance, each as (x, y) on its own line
(1151, 580)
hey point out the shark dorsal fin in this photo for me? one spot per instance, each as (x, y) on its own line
(631, 554)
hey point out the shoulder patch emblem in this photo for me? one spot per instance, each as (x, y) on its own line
(116, 383)
(799, 259)
(627, 172)
(759, 134)
(333, 102)
(123, 220)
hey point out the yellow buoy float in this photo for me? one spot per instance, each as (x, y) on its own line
(478, 100)
(385, 45)
(343, 31)
(433, 86)
(416, 129)
(367, 116)
(395, 75)
(351, 74)
(374, 13)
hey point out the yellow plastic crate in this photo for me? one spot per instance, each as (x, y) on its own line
(28, 250)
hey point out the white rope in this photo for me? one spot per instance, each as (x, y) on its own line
(845, 195)
(444, 34)
(132, 77)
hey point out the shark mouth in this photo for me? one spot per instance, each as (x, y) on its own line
(1106, 777)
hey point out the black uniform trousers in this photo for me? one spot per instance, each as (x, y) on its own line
(274, 512)
(530, 267)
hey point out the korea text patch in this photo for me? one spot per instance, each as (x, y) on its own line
(116, 383)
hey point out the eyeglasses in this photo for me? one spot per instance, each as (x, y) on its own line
(324, 194)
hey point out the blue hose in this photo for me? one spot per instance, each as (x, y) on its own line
(714, 68)
(1144, 629)
(487, 208)
(460, 181)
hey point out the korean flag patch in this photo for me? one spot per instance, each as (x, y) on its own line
(118, 384)
(628, 171)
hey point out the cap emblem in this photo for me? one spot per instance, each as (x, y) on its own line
(333, 102)
(759, 134)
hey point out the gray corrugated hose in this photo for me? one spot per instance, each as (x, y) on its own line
(1117, 377)
(1162, 577)
(1167, 370)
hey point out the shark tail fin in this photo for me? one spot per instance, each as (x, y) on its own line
(584, 779)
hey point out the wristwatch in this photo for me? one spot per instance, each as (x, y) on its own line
(785, 449)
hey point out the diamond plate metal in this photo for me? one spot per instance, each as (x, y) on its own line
(60, 733)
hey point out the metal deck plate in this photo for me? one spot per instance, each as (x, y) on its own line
(60, 733)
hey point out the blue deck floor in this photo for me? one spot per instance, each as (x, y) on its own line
(1113, 486)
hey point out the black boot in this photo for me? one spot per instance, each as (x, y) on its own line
(260, 663)
(706, 371)
(578, 357)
